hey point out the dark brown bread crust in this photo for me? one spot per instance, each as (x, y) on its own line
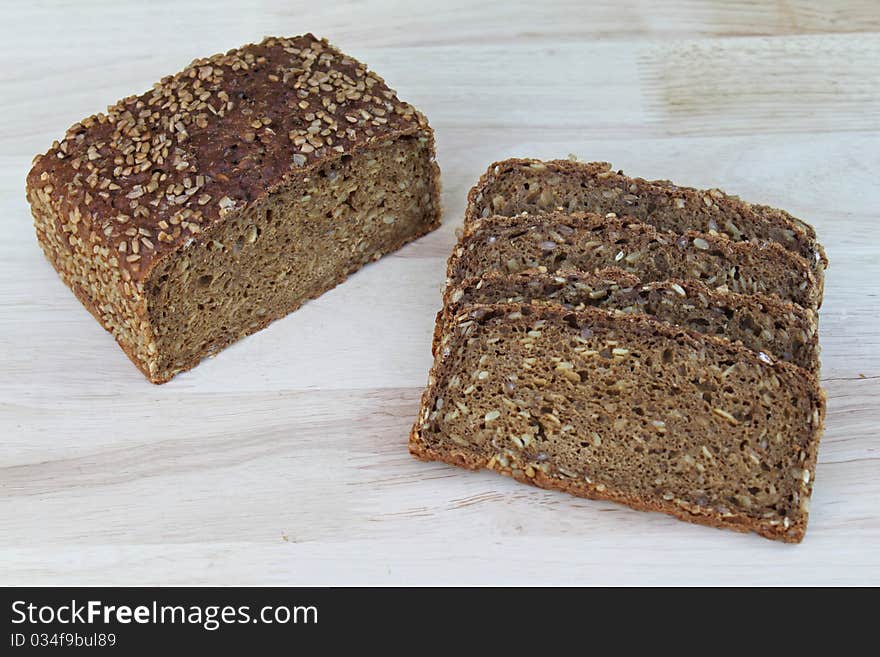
(428, 449)
(793, 335)
(740, 266)
(656, 202)
(163, 167)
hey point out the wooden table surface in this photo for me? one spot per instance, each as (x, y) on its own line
(283, 460)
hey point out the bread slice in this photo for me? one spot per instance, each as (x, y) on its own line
(629, 409)
(524, 185)
(231, 193)
(760, 322)
(588, 242)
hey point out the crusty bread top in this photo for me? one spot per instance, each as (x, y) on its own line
(158, 169)
(643, 198)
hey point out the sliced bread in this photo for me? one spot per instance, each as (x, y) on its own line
(760, 322)
(588, 242)
(525, 185)
(626, 408)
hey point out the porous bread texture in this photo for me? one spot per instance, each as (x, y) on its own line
(587, 242)
(760, 322)
(629, 409)
(514, 186)
(267, 261)
(198, 212)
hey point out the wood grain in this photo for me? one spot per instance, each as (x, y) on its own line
(283, 460)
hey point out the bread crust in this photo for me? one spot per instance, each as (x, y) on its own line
(420, 447)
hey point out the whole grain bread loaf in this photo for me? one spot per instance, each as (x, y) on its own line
(197, 212)
(763, 323)
(626, 408)
(525, 185)
(583, 241)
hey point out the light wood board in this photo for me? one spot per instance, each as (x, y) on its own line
(283, 459)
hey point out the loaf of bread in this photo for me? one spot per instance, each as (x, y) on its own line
(587, 242)
(760, 322)
(229, 194)
(626, 408)
(524, 185)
